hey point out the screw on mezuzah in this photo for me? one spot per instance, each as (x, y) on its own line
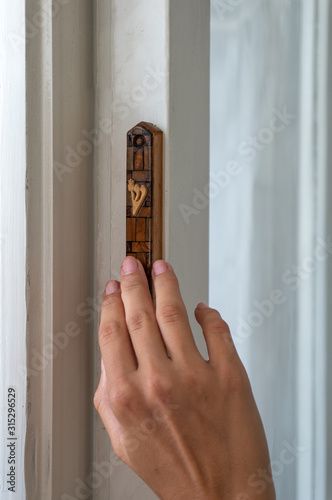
(139, 141)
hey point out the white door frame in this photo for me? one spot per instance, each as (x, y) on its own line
(12, 251)
(76, 205)
(313, 420)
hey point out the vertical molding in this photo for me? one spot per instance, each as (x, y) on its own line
(73, 249)
(60, 248)
(306, 235)
(328, 274)
(12, 245)
(322, 487)
(313, 224)
(187, 161)
(103, 41)
(38, 453)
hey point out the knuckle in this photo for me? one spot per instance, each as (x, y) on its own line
(229, 342)
(169, 278)
(194, 379)
(217, 325)
(98, 401)
(138, 321)
(122, 398)
(158, 388)
(110, 300)
(131, 284)
(233, 376)
(108, 332)
(169, 314)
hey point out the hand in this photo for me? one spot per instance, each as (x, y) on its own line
(188, 427)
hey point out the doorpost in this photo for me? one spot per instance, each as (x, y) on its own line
(152, 65)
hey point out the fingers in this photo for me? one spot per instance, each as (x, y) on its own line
(114, 340)
(140, 314)
(216, 332)
(171, 312)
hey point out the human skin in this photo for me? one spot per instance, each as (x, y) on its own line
(188, 427)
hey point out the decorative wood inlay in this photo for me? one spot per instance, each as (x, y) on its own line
(144, 194)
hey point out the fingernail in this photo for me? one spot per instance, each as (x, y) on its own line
(111, 287)
(129, 265)
(160, 267)
(202, 305)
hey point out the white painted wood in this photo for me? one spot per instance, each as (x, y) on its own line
(153, 65)
(59, 462)
(60, 117)
(315, 227)
(328, 276)
(73, 248)
(60, 120)
(38, 452)
(305, 327)
(151, 62)
(103, 211)
(322, 297)
(187, 152)
(12, 247)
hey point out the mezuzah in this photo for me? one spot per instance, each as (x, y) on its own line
(144, 194)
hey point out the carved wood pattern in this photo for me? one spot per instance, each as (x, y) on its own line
(144, 194)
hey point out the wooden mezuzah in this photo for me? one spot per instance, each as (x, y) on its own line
(144, 194)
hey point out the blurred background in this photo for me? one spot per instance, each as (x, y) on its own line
(270, 222)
